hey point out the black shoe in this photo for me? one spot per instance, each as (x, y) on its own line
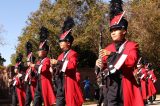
(154, 97)
(150, 100)
(145, 102)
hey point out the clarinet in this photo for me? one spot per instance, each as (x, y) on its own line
(100, 47)
(99, 72)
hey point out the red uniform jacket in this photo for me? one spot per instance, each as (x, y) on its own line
(154, 78)
(72, 90)
(143, 83)
(46, 83)
(151, 87)
(33, 81)
(20, 89)
(131, 91)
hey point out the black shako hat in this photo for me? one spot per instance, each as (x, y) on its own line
(66, 30)
(116, 13)
(43, 39)
(19, 64)
(30, 57)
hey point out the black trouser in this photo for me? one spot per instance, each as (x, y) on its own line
(114, 94)
(38, 99)
(14, 96)
(28, 96)
(60, 95)
(154, 97)
(97, 94)
(103, 96)
(105, 101)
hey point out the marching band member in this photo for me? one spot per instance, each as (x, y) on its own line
(44, 89)
(68, 91)
(19, 80)
(30, 77)
(151, 87)
(121, 57)
(143, 79)
(12, 88)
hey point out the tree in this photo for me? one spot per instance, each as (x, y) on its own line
(145, 28)
(13, 59)
(2, 60)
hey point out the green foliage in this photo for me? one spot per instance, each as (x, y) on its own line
(13, 59)
(2, 68)
(145, 28)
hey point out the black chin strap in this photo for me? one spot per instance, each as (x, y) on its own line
(118, 44)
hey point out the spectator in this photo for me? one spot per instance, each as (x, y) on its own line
(87, 84)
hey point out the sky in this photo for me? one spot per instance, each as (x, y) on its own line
(13, 17)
